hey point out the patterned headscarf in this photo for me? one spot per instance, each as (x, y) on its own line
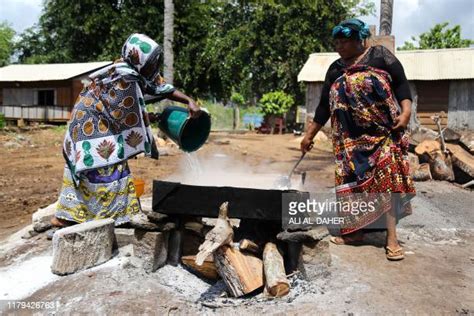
(354, 28)
(143, 54)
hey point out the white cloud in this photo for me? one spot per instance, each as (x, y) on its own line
(413, 17)
(21, 14)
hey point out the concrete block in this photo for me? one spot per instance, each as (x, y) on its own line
(82, 246)
(124, 236)
(152, 248)
(316, 258)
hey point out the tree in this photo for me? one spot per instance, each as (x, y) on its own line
(440, 36)
(168, 41)
(250, 46)
(276, 103)
(6, 43)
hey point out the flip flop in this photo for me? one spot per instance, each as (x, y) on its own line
(394, 254)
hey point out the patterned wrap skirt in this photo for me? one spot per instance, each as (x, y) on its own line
(371, 159)
(106, 192)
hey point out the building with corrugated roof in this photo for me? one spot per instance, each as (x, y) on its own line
(43, 92)
(440, 80)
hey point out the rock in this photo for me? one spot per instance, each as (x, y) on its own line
(82, 246)
(152, 248)
(124, 236)
(174, 247)
(312, 235)
(41, 219)
(316, 259)
(147, 209)
(42, 226)
(141, 221)
(30, 234)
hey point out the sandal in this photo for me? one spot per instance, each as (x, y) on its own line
(337, 240)
(394, 254)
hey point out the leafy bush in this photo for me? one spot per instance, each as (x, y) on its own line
(276, 103)
(2, 120)
(237, 99)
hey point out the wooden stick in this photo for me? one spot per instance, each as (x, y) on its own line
(276, 282)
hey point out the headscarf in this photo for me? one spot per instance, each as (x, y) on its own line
(140, 62)
(354, 28)
(143, 54)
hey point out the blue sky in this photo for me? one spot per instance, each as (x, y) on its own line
(411, 17)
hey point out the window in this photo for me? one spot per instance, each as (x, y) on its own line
(45, 97)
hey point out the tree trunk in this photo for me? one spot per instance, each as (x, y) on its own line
(168, 41)
(386, 13)
(414, 123)
(276, 283)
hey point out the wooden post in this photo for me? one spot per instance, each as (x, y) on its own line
(276, 283)
(242, 273)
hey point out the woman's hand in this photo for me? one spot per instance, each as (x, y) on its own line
(306, 144)
(153, 117)
(194, 109)
(401, 122)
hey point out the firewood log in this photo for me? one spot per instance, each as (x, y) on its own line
(250, 246)
(241, 272)
(207, 269)
(276, 282)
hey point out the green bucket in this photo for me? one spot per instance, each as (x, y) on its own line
(189, 133)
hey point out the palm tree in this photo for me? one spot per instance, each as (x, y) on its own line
(386, 13)
(168, 41)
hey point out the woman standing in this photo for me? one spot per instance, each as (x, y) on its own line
(109, 125)
(360, 95)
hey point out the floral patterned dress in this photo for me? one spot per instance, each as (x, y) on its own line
(109, 125)
(371, 159)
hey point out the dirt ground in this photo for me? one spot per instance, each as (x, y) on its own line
(437, 276)
(32, 166)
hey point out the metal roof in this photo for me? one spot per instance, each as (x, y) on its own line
(432, 64)
(47, 72)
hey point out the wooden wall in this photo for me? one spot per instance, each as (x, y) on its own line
(65, 95)
(433, 97)
(313, 95)
(461, 104)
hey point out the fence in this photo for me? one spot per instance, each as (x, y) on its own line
(44, 113)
